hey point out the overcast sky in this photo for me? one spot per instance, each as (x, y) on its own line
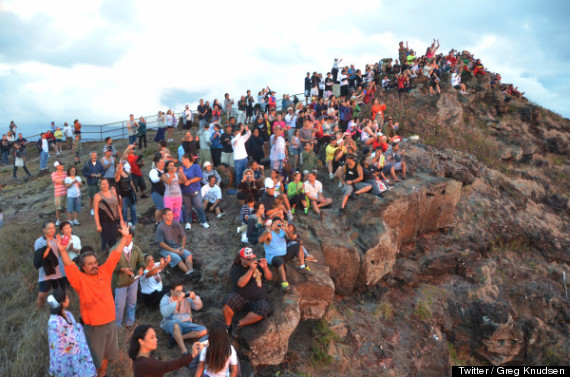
(104, 59)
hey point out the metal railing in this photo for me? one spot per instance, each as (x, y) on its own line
(118, 130)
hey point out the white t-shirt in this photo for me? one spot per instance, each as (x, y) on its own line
(232, 360)
(238, 143)
(73, 191)
(211, 193)
(455, 79)
(343, 79)
(152, 283)
(312, 191)
(75, 243)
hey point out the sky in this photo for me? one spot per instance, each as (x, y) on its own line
(101, 60)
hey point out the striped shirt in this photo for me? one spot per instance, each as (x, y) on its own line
(59, 188)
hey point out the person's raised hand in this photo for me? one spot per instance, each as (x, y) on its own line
(124, 229)
(60, 246)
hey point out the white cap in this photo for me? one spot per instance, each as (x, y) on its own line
(269, 183)
(206, 163)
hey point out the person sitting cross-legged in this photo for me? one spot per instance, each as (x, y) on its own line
(248, 291)
(277, 252)
(212, 195)
(171, 240)
(176, 309)
(314, 192)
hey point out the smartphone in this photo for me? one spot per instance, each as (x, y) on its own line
(65, 240)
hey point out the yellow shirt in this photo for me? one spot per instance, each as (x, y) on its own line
(330, 152)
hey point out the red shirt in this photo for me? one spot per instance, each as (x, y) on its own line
(59, 188)
(378, 108)
(135, 169)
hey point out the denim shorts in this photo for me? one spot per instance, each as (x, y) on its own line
(158, 200)
(185, 327)
(175, 258)
(73, 204)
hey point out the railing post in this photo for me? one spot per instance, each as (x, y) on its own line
(101, 132)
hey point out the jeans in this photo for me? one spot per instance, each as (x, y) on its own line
(129, 205)
(195, 202)
(142, 139)
(73, 204)
(5, 159)
(44, 157)
(202, 123)
(240, 166)
(25, 169)
(132, 139)
(126, 296)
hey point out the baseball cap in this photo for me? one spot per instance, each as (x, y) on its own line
(269, 183)
(206, 163)
(57, 163)
(247, 253)
(109, 149)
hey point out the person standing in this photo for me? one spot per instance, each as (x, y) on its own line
(43, 145)
(69, 353)
(73, 185)
(141, 132)
(188, 119)
(157, 186)
(202, 114)
(93, 170)
(60, 191)
(191, 196)
(172, 179)
(19, 160)
(5, 149)
(132, 126)
(216, 145)
(48, 262)
(93, 286)
(108, 162)
(125, 280)
(227, 149)
(160, 120)
(249, 107)
(126, 191)
(240, 153)
(108, 215)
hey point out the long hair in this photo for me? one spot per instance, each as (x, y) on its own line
(219, 349)
(135, 346)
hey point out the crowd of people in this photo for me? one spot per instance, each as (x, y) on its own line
(274, 158)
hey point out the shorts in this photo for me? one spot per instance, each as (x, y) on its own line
(185, 327)
(212, 206)
(73, 204)
(59, 202)
(92, 190)
(59, 140)
(175, 258)
(228, 159)
(46, 285)
(103, 342)
(237, 303)
(294, 151)
(77, 132)
(158, 200)
(292, 252)
(348, 189)
(386, 169)
(398, 166)
(457, 87)
(138, 182)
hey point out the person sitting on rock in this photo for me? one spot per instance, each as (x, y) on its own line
(296, 239)
(245, 212)
(314, 192)
(212, 195)
(176, 309)
(171, 239)
(248, 291)
(434, 84)
(394, 162)
(456, 82)
(277, 252)
(478, 69)
(352, 178)
(152, 288)
(209, 171)
(308, 159)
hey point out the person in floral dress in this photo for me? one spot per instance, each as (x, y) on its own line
(69, 353)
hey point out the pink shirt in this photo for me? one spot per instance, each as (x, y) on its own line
(59, 188)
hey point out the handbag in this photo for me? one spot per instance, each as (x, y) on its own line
(19, 162)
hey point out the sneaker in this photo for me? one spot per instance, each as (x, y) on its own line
(189, 271)
(92, 213)
(237, 231)
(285, 286)
(129, 224)
(205, 225)
(188, 226)
(304, 270)
(220, 215)
(293, 211)
(76, 222)
(306, 209)
(310, 258)
(331, 176)
(57, 223)
(290, 216)
(341, 212)
(339, 184)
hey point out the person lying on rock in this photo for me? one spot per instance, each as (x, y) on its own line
(176, 309)
(277, 252)
(248, 291)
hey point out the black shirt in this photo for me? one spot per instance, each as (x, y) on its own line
(201, 109)
(226, 141)
(254, 289)
(190, 148)
(368, 173)
(328, 84)
(307, 83)
(267, 201)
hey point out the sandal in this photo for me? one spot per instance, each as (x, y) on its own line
(285, 286)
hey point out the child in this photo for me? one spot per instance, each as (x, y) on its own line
(296, 239)
(77, 149)
(245, 212)
(296, 194)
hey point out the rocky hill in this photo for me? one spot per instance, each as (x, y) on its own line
(461, 264)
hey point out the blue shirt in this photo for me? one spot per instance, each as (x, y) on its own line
(216, 141)
(192, 172)
(277, 247)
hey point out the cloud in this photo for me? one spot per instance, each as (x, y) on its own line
(101, 60)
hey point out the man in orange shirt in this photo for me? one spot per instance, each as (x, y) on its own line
(378, 108)
(93, 286)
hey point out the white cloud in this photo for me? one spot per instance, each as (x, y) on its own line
(101, 60)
